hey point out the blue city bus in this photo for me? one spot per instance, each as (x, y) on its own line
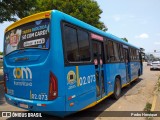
(58, 64)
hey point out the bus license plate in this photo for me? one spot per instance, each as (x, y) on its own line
(23, 105)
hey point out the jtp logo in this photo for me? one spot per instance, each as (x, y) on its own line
(22, 73)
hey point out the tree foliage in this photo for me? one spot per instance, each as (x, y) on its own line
(85, 10)
(125, 39)
(10, 10)
(1, 53)
(149, 57)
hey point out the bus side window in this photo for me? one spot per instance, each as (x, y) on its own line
(130, 54)
(83, 43)
(121, 53)
(77, 48)
(116, 52)
(133, 54)
(111, 52)
(137, 55)
(71, 45)
(106, 51)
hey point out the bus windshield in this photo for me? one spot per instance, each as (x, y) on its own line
(31, 35)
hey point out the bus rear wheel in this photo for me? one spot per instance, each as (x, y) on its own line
(117, 89)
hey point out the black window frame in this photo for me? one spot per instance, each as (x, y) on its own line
(75, 42)
(79, 49)
(105, 42)
(75, 63)
(134, 57)
(109, 51)
(118, 53)
(121, 53)
(106, 52)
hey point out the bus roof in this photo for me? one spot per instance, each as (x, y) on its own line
(67, 17)
(91, 28)
(30, 18)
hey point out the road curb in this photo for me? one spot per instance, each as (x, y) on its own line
(154, 102)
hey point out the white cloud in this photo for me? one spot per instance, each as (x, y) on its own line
(157, 43)
(143, 36)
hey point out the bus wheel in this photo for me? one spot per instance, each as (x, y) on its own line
(117, 89)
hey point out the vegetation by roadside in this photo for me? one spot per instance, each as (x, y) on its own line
(151, 107)
(1, 64)
(148, 107)
(158, 85)
(1, 53)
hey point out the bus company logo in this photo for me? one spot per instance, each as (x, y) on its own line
(71, 77)
(22, 73)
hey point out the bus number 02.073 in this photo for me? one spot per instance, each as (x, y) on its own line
(39, 97)
(87, 80)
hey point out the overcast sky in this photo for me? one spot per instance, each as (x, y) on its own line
(137, 20)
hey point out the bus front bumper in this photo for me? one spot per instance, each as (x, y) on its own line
(55, 107)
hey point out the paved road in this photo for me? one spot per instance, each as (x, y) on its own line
(134, 98)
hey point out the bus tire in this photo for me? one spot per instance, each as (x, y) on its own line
(117, 89)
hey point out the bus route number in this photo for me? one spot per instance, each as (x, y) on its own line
(87, 80)
(39, 97)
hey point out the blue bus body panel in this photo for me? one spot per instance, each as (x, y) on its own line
(134, 70)
(81, 86)
(111, 72)
(24, 87)
(57, 62)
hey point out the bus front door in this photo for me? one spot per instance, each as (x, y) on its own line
(126, 53)
(98, 56)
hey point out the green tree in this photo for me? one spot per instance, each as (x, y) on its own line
(125, 39)
(11, 10)
(85, 10)
(150, 57)
(1, 53)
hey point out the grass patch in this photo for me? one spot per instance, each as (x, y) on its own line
(148, 107)
(158, 84)
(1, 64)
(157, 87)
